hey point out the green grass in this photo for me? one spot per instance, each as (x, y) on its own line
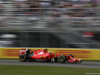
(43, 70)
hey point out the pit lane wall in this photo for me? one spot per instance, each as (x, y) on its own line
(85, 54)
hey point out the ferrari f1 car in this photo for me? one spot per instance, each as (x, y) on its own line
(44, 55)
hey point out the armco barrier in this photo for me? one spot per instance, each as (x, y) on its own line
(86, 54)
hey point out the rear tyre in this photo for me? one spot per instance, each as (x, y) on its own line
(62, 59)
(22, 57)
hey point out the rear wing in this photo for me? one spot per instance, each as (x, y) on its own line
(22, 51)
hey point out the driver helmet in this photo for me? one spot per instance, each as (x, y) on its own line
(45, 50)
(28, 50)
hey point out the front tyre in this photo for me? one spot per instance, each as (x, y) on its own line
(62, 59)
(22, 57)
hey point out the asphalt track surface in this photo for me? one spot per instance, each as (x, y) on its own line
(95, 65)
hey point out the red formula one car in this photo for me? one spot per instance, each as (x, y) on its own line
(44, 55)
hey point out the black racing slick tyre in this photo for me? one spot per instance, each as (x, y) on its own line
(62, 59)
(22, 57)
(71, 55)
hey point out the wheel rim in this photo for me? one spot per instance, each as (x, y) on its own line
(61, 59)
(21, 57)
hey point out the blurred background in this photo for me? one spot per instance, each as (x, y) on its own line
(50, 23)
